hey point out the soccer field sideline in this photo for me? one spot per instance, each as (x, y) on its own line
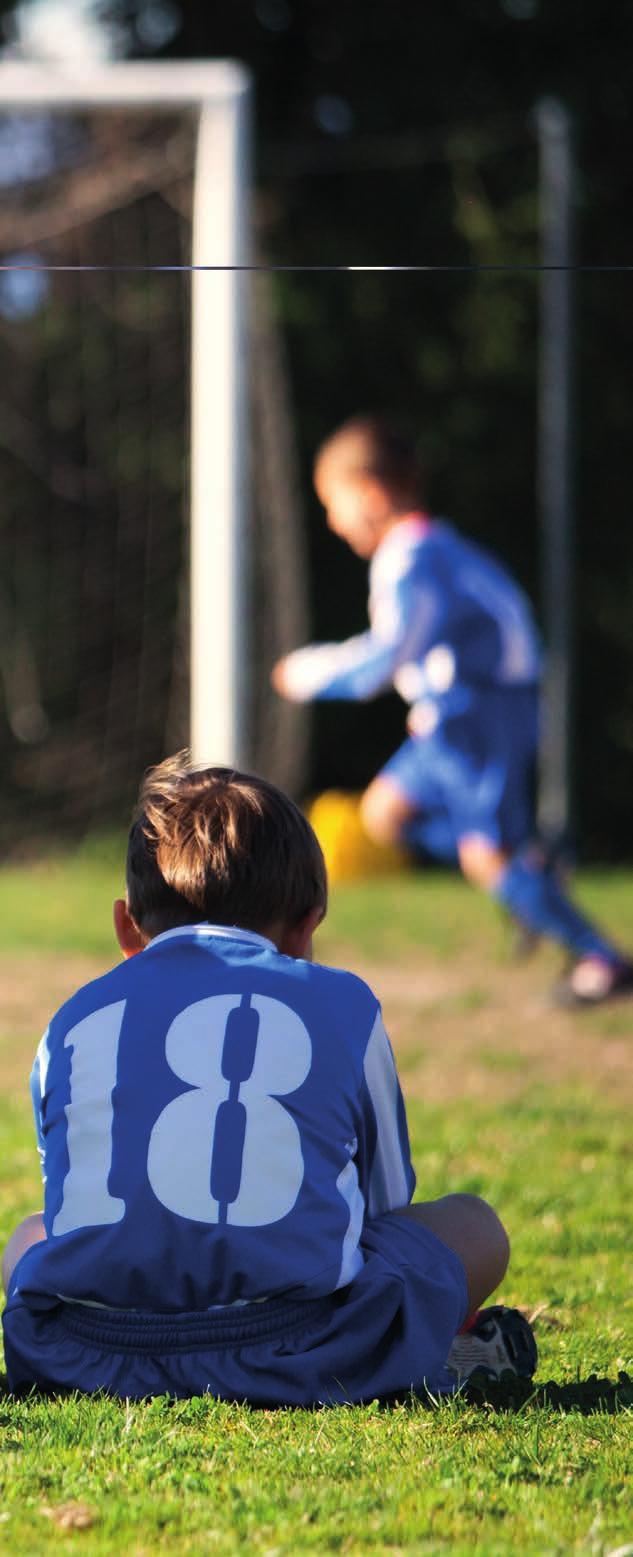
(507, 1098)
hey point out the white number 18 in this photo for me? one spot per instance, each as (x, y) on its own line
(180, 1157)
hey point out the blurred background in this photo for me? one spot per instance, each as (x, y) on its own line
(386, 132)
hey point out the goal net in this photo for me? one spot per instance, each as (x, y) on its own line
(151, 531)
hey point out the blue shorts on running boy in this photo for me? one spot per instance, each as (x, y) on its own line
(471, 770)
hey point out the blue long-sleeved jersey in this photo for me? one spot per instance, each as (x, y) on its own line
(444, 617)
(215, 1122)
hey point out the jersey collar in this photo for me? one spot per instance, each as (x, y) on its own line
(206, 932)
(409, 530)
(411, 527)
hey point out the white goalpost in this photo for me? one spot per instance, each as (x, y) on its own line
(220, 93)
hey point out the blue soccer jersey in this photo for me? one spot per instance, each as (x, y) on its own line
(216, 1121)
(444, 617)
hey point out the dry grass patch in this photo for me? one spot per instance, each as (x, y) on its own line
(489, 1031)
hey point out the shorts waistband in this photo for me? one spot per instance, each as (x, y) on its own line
(143, 1332)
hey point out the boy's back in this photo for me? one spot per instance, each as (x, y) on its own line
(443, 589)
(216, 1119)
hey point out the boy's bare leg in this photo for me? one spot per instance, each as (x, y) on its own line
(385, 811)
(472, 1229)
(30, 1231)
(482, 862)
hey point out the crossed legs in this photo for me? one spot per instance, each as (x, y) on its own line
(471, 1228)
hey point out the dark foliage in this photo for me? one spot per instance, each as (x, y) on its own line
(403, 132)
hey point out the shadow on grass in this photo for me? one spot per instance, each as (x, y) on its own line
(587, 1396)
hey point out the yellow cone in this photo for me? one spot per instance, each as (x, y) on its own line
(350, 855)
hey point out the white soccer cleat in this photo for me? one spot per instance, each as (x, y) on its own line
(497, 1343)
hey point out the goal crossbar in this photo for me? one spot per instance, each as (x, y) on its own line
(132, 83)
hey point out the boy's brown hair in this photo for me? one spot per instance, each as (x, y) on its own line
(374, 446)
(215, 844)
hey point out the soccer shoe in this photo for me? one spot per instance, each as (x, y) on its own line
(497, 1343)
(592, 981)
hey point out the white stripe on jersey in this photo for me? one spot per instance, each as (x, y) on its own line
(38, 1087)
(388, 1185)
(348, 1186)
(42, 1060)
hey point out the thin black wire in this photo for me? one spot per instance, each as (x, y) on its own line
(330, 269)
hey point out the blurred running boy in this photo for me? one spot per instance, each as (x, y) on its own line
(225, 1153)
(455, 635)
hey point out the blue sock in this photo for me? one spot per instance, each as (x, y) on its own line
(534, 896)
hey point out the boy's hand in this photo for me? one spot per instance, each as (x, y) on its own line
(298, 676)
(422, 720)
(279, 677)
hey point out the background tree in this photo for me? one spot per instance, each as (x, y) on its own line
(403, 133)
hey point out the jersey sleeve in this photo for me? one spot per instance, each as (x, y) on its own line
(402, 615)
(386, 1175)
(37, 1085)
(354, 670)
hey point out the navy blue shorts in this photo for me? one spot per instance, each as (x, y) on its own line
(385, 1335)
(474, 772)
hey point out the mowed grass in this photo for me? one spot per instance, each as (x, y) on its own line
(508, 1098)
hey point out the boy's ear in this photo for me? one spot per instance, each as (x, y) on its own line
(127, 932)
(296, 939)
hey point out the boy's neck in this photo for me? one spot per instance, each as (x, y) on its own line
(415, 519)
(294, 940)
(412, 516)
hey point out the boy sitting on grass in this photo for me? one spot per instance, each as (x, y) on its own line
(224, 1146)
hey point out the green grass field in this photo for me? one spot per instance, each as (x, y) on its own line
(507, 1097)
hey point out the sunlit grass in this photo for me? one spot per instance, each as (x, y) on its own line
(201, 1476)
